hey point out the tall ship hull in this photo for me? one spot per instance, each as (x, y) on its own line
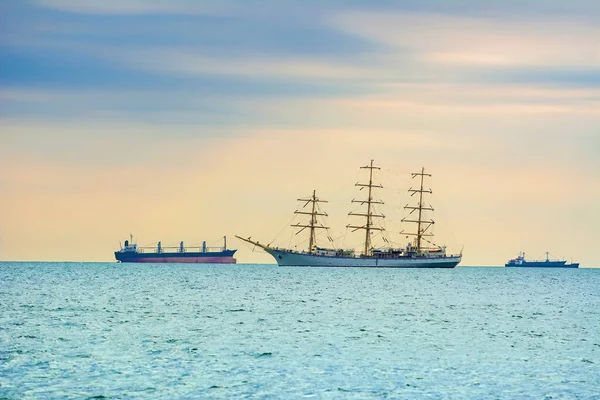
(520, 262)
(421, 252)
(293, 259)
(132, 253)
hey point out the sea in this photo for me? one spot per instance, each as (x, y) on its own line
(174, 331)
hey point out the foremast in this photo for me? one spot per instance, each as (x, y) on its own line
(312, 224)
(422, 224)
(368, 227)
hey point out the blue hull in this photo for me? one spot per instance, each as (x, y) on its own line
(543, 264)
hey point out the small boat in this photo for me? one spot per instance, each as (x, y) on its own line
(547, 263)
(419, 253)
(133, 253)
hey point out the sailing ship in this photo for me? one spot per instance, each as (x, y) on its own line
(420, 253)
(133, 253)
(547, 263)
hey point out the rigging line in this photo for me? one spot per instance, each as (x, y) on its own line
(208, 244)
(385, 226)
(217, 242)
(338, 237)
(397, 173)
(327, 231)
(323, 237)
(249, 246)
(436, 245)
(344, 240)
(283, 228)
(396, 244)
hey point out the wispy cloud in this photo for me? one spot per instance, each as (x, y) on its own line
(134, 7)
(192, 62)
(456, 40)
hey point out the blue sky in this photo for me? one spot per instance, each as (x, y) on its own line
(139, 86)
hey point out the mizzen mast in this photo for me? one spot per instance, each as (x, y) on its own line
(368, 227)
(312, 225)
(422, 225)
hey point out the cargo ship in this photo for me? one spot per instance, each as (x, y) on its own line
(421, 252)
(133, 253)
(547, 263)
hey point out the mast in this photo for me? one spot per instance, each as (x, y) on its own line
(368, 227)
(422, 225)
(312, 225)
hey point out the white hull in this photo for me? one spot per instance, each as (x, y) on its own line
(292, 259)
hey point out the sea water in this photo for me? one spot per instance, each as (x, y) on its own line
(169, 331)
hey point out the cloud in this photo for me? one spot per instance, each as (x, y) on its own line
(133, 7)
(191, 61)
(85, 142)
(382, 106)
(395, 46)
(478, 41)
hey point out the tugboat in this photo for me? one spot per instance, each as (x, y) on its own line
(547, 263)
(133, 253)
(420, 253)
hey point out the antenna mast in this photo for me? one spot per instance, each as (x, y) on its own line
(422, 225)
(312, 225)
(368, 227)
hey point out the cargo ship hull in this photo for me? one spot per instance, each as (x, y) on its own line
(294, 259)
(224, 257)
(542, 264)
(521, 262)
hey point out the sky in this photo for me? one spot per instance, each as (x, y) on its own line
(190, 120)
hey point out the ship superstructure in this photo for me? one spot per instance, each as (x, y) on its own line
(131, 252)
(414, 255)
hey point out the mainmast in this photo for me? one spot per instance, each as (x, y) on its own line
(368, 227)
(422, 225)
(312, 225)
